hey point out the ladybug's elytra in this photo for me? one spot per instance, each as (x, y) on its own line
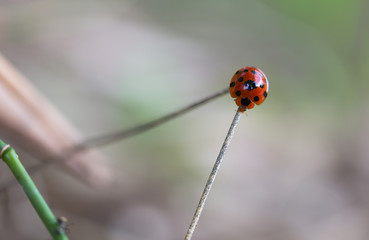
(249, 85)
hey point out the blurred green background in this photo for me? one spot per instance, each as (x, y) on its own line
(298, 165)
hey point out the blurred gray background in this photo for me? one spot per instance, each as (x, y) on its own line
(297, 167)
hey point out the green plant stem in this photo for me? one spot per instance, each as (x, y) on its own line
(10, 157)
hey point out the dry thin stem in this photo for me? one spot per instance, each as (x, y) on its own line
(110, 138)
(119, 135)
(122, 134)
(212, 176)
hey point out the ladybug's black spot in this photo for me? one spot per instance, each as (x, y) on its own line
(250, 85)
(256, 99)
(246, 70)
(262, 86)
(265, 94)
(238, 93)
(240, 79)
(245, 101)
(232, 84)
(253, 71)
(238, 72)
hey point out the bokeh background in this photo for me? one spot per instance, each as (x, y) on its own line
(298, 164)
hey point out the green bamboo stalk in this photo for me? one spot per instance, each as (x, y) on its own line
(10, 157)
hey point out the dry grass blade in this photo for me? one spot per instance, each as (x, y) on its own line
(29, 117)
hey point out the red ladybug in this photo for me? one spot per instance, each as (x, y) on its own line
(249, 85)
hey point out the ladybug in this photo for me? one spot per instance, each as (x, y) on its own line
(249, 85)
